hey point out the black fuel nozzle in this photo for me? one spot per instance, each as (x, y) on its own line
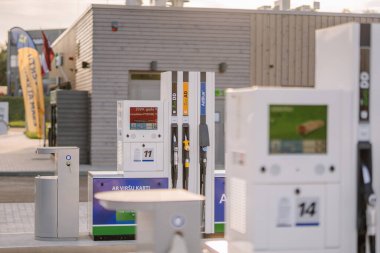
(204, 142)
(366, 200)
(174, 156)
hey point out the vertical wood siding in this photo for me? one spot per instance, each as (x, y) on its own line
(290, 59)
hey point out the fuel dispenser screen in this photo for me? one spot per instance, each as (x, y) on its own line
(297, 129)
(143, 118)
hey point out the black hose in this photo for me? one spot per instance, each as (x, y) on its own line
(372, 243)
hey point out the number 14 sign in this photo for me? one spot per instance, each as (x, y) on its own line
(307, 211)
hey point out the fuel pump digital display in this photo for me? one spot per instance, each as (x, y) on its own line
(143, 118)
(297, 129)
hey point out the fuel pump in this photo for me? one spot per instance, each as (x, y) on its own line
(192, 96)
(204, 139)
(174, 132)
(160, 144)
(347, 57)
(366, 209)
(185, 132)
(287, 170)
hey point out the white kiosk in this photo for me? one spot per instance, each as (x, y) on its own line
(288, 176)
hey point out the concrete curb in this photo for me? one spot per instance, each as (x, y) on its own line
(33, 173)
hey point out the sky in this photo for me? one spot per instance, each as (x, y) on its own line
(51, 14)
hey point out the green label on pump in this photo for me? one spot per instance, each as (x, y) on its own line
(219, 93)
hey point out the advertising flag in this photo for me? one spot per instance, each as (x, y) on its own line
(47, 55)
(31, 81)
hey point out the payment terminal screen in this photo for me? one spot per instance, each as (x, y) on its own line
(143, 118)
(297, 129)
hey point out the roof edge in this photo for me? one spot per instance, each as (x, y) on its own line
(89, 8)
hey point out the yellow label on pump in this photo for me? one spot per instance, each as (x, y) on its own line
(185, 99)
(186, 145)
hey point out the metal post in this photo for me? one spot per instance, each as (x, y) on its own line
(9, 64)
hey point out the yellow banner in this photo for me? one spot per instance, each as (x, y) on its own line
(32, 89)
(185, 99)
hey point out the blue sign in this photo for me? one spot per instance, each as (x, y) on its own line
(101, 216)
(203, 98)
(220, 199)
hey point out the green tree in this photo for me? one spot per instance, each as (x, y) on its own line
(3, 66)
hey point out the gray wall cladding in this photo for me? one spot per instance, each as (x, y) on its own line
(84, 52)
(177, 40)
(73, 121)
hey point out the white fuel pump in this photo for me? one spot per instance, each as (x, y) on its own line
(191, 138)
(168, 143)
(348, 57)
(301, 171)
(287, 170)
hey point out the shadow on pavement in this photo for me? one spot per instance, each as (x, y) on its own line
(21, 189)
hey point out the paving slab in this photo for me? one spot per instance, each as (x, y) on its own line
(18, 218)
(26, 243)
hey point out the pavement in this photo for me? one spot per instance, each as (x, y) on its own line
(18, 218)
(18, 165)
(17, 154)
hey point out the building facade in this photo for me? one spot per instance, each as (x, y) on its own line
(113, 51)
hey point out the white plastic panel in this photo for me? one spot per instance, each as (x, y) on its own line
(143, 157)
(290, 167)
(337, 57)
(238, 198)
(375, 115)
(333, 211)
(296, 220)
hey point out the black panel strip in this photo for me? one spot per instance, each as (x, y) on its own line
(364, 74)
(365, 35)
(185, 76)
(174, 93)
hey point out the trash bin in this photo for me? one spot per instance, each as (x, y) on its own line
(46, 207)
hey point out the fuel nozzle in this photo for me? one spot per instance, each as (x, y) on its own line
(174, 158)
(371, 222)
(204, 142)
(370, 212)
(186, 147)
(371, 215)
(175, 149)
(186, 157)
